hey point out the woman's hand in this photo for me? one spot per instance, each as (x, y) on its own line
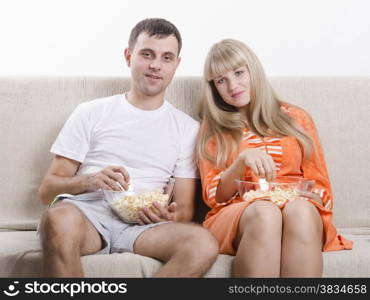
(260, 163)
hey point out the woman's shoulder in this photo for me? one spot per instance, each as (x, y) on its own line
(297, 113)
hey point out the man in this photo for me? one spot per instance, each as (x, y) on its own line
(134, 138)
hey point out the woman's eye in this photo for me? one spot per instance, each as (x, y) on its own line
(220, 81)
(239, 72)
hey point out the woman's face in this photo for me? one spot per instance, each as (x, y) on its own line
(234, 87)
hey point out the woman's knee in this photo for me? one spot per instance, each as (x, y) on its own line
(262, 214)
(301, 218)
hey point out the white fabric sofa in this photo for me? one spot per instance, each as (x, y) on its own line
(33, 109)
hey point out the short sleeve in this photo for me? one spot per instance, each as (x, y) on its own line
(74, 139)
(185, 164)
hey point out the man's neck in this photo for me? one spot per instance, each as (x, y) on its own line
(145, 102)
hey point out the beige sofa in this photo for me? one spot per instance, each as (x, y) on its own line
(34, 109)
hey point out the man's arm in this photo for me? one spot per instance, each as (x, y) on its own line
(61, 178)
(180, 210)
(183, 195)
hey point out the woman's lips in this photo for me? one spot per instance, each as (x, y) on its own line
(237, 95)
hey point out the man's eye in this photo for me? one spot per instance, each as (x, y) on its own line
(146, 54)
(169, 57)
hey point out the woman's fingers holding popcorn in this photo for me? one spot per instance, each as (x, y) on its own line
(269, 168)
(273, 172)
(260, 163)
(260, 169)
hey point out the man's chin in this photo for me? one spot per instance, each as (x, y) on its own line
(152, 92)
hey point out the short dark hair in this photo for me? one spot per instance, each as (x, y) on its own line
(154, 26)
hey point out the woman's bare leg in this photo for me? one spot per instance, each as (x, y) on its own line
(302, 240)
(259, 241)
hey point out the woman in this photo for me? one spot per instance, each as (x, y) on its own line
(248, 133)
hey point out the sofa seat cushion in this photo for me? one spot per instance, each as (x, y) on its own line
(350, 263)
(20, 256)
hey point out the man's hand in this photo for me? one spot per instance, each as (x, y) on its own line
(158, 213)
(110, 178)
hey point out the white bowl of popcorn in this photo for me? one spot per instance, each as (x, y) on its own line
(281, 191)
(127, 204)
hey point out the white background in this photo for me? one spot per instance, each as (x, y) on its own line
(87, 37)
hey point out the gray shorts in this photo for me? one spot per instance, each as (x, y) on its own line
(117, 236)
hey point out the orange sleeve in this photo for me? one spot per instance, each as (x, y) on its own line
(210, 176)
(314, 168)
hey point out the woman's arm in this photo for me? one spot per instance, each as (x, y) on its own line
(314, 167)
(260, 163)
(219, 185)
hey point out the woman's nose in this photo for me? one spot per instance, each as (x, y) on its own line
(232, 85)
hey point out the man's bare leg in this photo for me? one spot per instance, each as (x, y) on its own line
(188, 250)
(66, 235)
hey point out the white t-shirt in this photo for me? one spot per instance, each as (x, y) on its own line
(151, 145)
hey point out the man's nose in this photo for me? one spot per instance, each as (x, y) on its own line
(155, 64)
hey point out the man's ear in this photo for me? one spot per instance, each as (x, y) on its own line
(178, 61)
(127, 54)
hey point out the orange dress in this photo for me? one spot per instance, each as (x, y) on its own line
(223, 218)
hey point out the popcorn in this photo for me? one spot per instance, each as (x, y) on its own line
(128, 206)
(278, 195)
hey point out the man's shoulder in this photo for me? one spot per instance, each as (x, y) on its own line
(98, 103)
(182, 117)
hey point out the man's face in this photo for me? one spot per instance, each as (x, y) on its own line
(153, 62)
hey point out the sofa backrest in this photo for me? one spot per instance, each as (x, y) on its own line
(33, 110)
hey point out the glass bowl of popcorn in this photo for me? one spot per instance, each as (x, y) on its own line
(126, 204)
(280, 191)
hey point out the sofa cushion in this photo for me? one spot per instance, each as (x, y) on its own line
(20, 256)
(350, 263)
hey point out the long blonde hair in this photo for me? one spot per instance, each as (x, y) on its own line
(263, 115)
